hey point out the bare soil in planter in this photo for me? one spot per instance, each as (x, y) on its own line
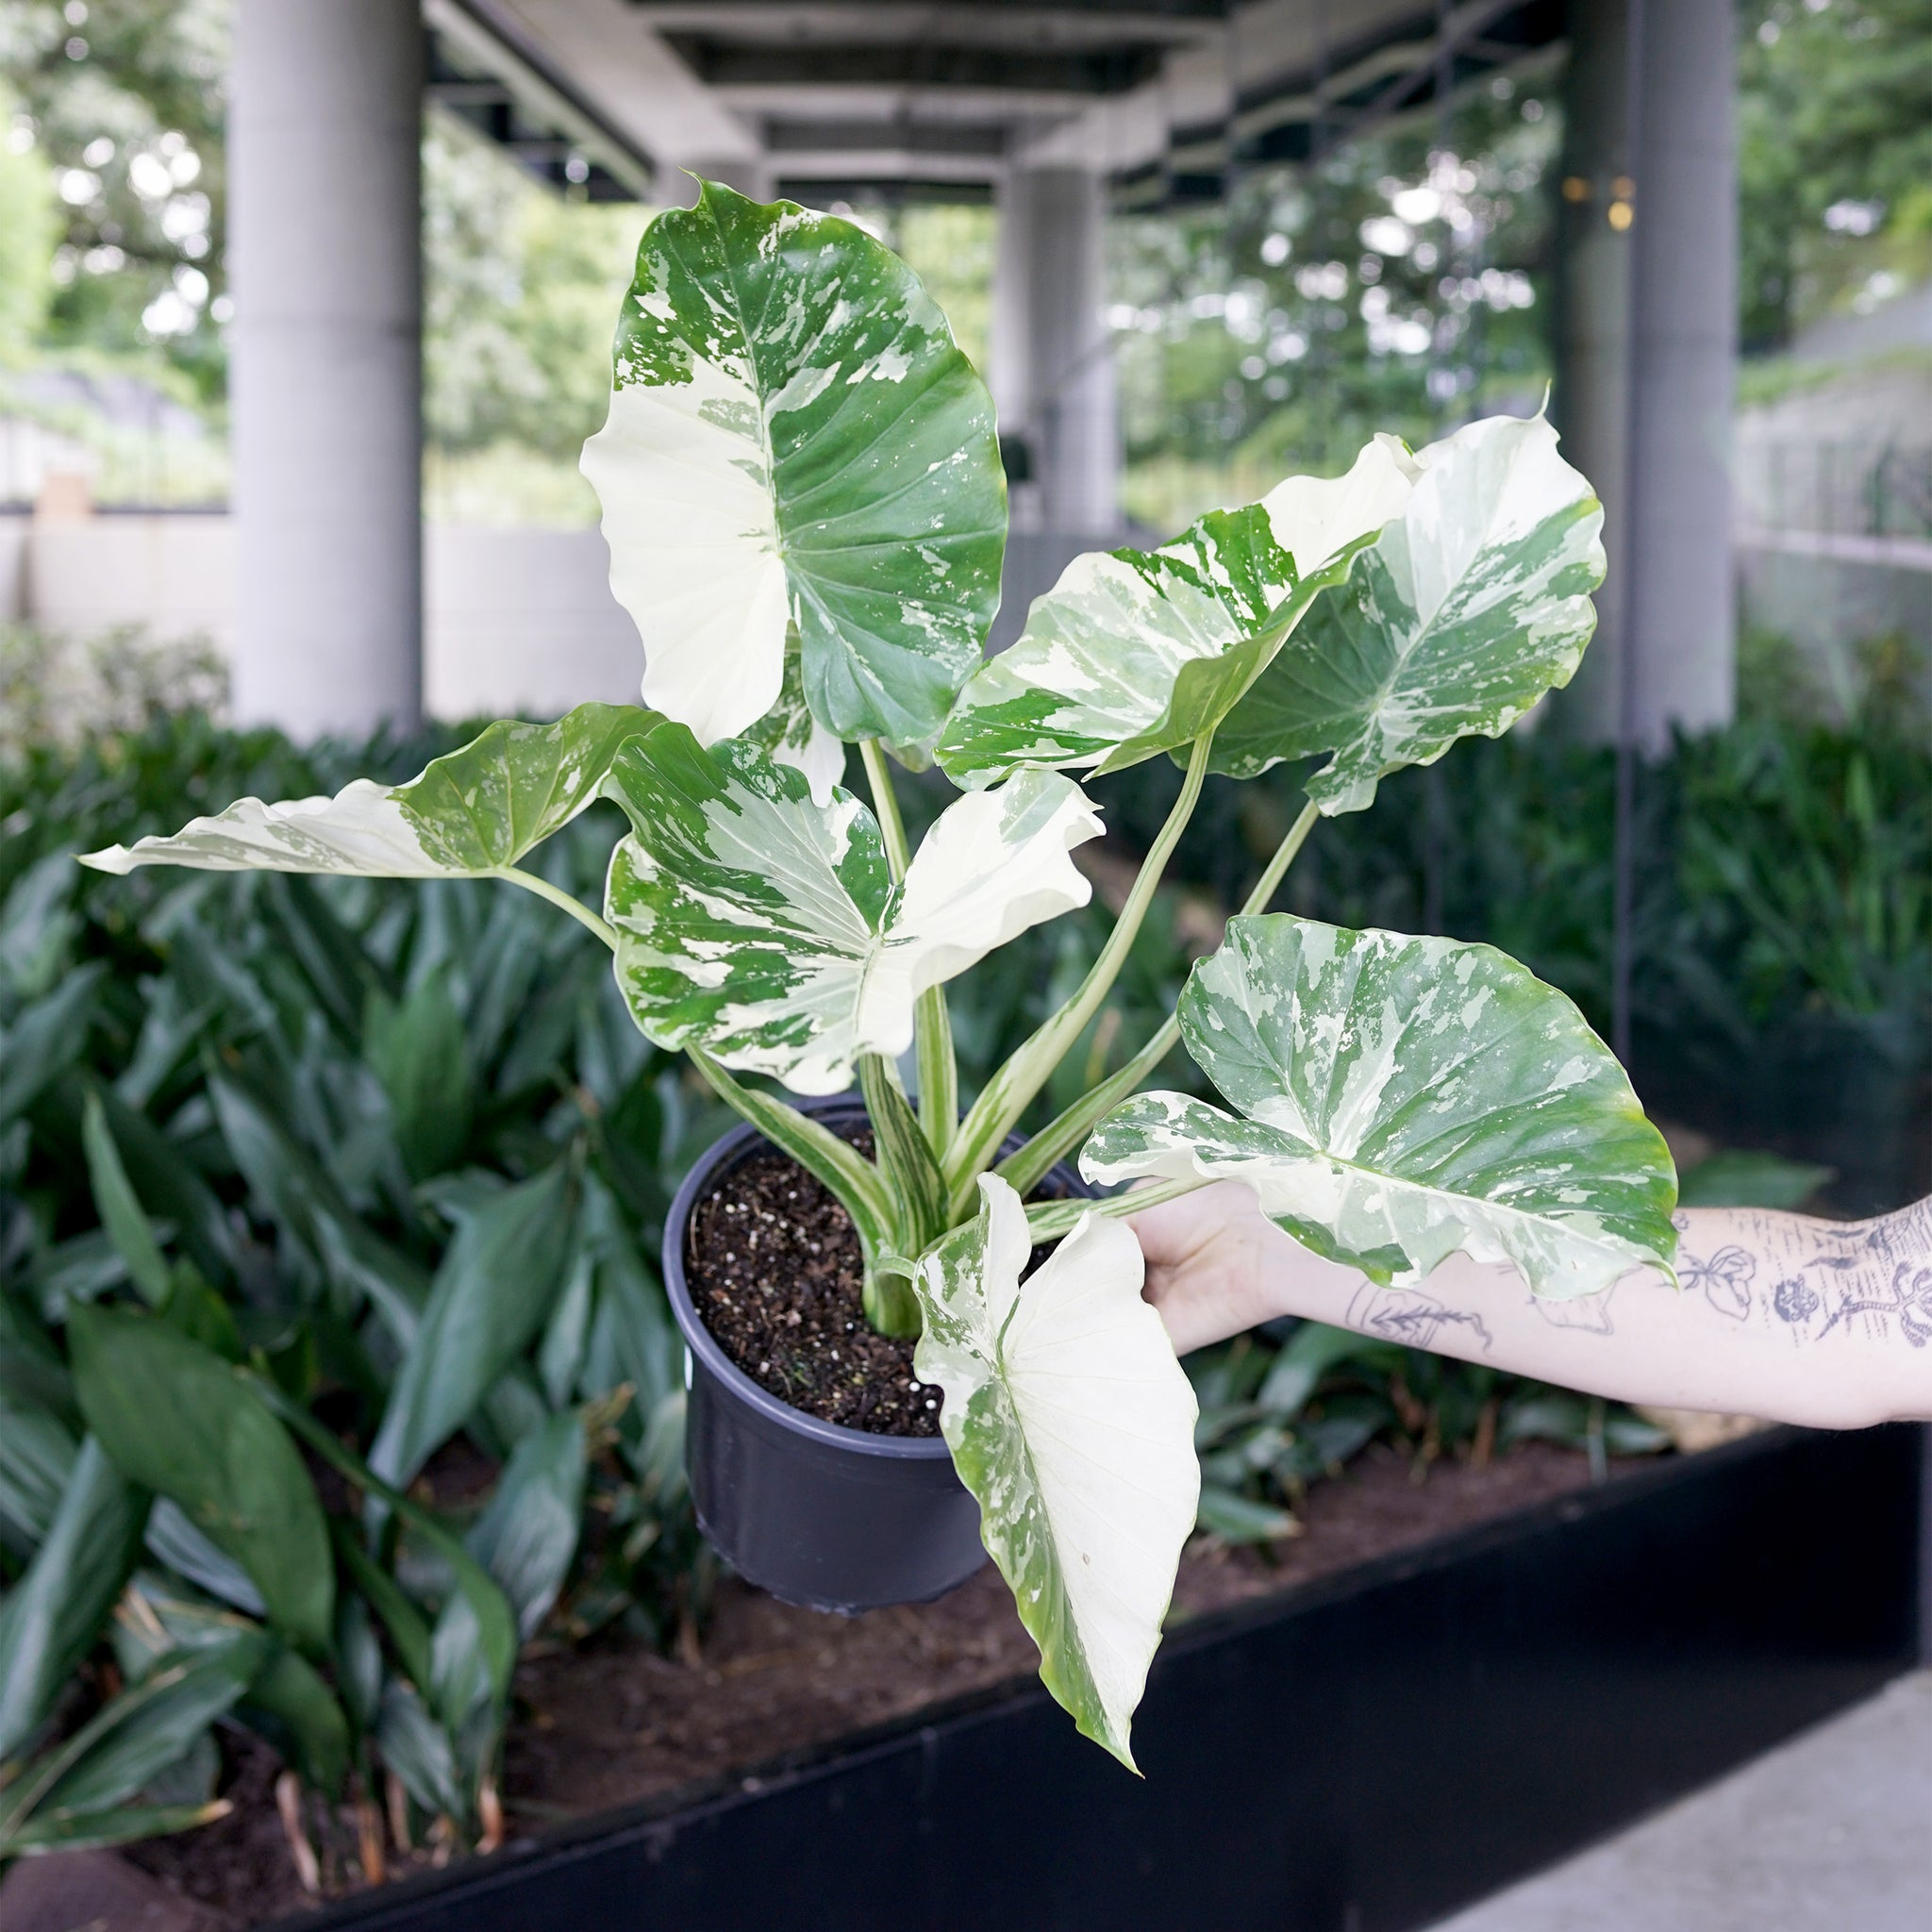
(613, 1721)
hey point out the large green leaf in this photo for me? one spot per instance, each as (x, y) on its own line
(1405, 1099)
(1472, 603)
(766, 929)
(54, 1614)
(489, 1298)
(1137, 652)
(177, 1419)
(792, 736)
(1073, 1424)
(475, 810)
(794, 436)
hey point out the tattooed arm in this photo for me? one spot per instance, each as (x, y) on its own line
(1778, 1315)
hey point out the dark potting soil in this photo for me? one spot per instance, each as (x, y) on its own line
(775, 1272)
(612, 1722)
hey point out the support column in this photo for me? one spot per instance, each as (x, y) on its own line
(1052, 357)
(1647, 361)
(324, 260)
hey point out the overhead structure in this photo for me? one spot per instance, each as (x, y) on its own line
(871, 99)
(1056, 110)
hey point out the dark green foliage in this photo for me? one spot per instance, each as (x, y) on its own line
(368, 1176)
(304, 1185)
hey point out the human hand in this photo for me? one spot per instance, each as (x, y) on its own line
(1216, 1264)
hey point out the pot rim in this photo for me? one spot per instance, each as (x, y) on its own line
(722, 1152)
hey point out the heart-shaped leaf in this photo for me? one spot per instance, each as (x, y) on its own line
(475, 810)
(1405, 1098)
(794, 436)
(766, 929)
(1137, 652)
(1470, 604)
(1073, 1424)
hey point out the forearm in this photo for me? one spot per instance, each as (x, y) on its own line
(1777, 1315)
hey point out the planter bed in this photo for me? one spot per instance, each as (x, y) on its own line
(1442, 1686)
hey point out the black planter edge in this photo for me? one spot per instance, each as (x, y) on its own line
(655, 1824)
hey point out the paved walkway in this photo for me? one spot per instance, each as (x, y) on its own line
(1830, 1833)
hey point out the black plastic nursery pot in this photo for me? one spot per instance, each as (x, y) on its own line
(1364, 1752)
(827, 1517)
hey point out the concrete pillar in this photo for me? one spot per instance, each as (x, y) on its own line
(1052, 357)
(1648, 357)
(326, 392)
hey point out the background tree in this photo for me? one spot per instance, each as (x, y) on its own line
(123, 101)
(1834, 156)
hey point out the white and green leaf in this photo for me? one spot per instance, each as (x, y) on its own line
(796, 437)
(1073, 1424)
(1137, 652)
(1405, 1099)
(793, 737)
(765, 928)
(475, 810)
(1472, 603)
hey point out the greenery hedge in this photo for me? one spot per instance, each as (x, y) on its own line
(393, 1162)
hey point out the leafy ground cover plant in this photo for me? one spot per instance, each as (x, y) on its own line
(805, 514)
(330, 1368)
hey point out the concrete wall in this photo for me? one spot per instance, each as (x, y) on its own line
(516, 621)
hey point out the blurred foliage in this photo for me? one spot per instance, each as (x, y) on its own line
(1834, 156)
(327, 1208)
(521, 289)
(55, 689)
(122, 103)
(1396, 285)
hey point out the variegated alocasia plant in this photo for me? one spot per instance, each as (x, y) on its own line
(806, 515)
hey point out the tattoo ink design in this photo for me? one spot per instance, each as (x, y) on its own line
(1795, 1300)
(1725, 1279)
(1409, 1316)
(1588, 1313)
(1867, 1279)
(1909, 1296)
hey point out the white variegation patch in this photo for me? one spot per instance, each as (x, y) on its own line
(682, 471)
(1134, 653)
(1317, 518)
(475, 810)
(1073, 1424)
(793, 737)
(361, 829)
(1406, 1099)
(763, 926)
